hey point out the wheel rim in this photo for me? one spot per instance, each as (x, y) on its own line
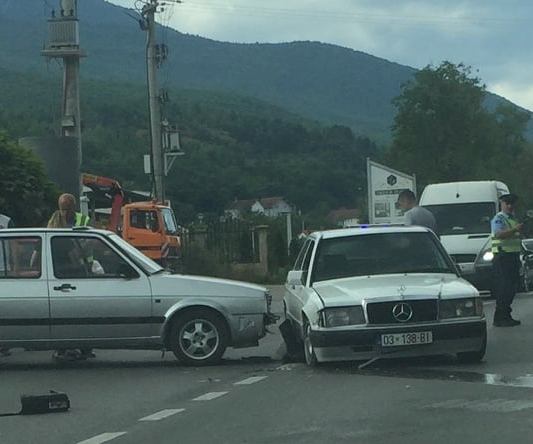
(199, 339)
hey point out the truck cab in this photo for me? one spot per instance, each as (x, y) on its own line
(153, 230)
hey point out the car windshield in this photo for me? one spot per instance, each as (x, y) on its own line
(374, 254)
(464, 218)
(170, 222)
(142, 261)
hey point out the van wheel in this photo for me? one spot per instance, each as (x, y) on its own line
(199, 337)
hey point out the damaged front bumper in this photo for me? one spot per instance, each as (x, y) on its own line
(365, 343)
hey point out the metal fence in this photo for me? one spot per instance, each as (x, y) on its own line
(231, 241)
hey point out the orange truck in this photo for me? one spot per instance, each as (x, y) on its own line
(149, 226)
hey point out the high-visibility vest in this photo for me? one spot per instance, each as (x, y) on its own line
(511, 244)
(81, 220)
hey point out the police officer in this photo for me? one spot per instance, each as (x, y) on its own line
(506, 247)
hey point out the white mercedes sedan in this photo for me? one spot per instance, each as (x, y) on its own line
(378, 292)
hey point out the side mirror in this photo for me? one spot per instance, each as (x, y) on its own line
(295, 277)
(126, 272)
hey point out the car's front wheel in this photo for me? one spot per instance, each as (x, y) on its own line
(199, 337)
(309, 351)
(474, 357)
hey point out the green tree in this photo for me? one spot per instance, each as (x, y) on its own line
(440, 127)
(442, 132)
(26, 193)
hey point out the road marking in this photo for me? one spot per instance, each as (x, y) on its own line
(162, 414)
(209, 396)
(493, 405)
(104, 437)
(251, 380)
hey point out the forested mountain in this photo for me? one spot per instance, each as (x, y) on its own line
(317, 80)
(236, 147)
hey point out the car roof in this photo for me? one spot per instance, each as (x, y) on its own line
(55, 230)
(368, 229)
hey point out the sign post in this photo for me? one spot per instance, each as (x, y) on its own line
(384, 186)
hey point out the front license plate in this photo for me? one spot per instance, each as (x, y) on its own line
(397, 339)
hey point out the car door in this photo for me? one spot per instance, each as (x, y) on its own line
(24, 304)
(297, 293)
(95, 291)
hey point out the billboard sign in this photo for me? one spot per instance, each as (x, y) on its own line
(384, 186)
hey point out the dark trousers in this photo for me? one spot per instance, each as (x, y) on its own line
(507, 275)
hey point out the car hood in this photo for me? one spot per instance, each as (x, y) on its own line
(187, 285)
(358, 290)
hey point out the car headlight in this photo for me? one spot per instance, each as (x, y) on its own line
(488, 256)
(460, 308)
(342, 316)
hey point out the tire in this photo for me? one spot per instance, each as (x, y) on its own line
(474, 357)
(309, 352)
(199, 337)
(293, 343)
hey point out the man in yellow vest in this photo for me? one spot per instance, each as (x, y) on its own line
(506, 247)
(67, 217)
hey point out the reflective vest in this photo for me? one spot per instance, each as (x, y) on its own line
(81, 220)
(511, 244)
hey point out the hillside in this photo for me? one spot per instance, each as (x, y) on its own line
(316, 80)
(236, 147)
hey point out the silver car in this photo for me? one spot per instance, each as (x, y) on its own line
(86, 288)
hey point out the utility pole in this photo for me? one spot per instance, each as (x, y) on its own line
(154, 56)
(64, 44)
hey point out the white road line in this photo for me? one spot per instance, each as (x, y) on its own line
(251, 380)
(209, 396)
(162, 414)
(104, 437)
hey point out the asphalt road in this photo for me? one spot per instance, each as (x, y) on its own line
(254, 397)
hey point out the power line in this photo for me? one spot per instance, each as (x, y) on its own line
(232, 9)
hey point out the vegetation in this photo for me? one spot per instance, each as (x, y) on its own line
(442, 132)
(326, 82)
(26, 194)
(235, 147)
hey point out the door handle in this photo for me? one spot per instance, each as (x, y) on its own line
(65, 287)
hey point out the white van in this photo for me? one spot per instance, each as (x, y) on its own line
(463, 211)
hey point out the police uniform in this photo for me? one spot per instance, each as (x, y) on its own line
(506, 264)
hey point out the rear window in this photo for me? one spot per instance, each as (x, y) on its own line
(20, 257)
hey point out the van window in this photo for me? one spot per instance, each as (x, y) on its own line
(463, 218)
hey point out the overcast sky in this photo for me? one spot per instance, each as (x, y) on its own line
(493, 36)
